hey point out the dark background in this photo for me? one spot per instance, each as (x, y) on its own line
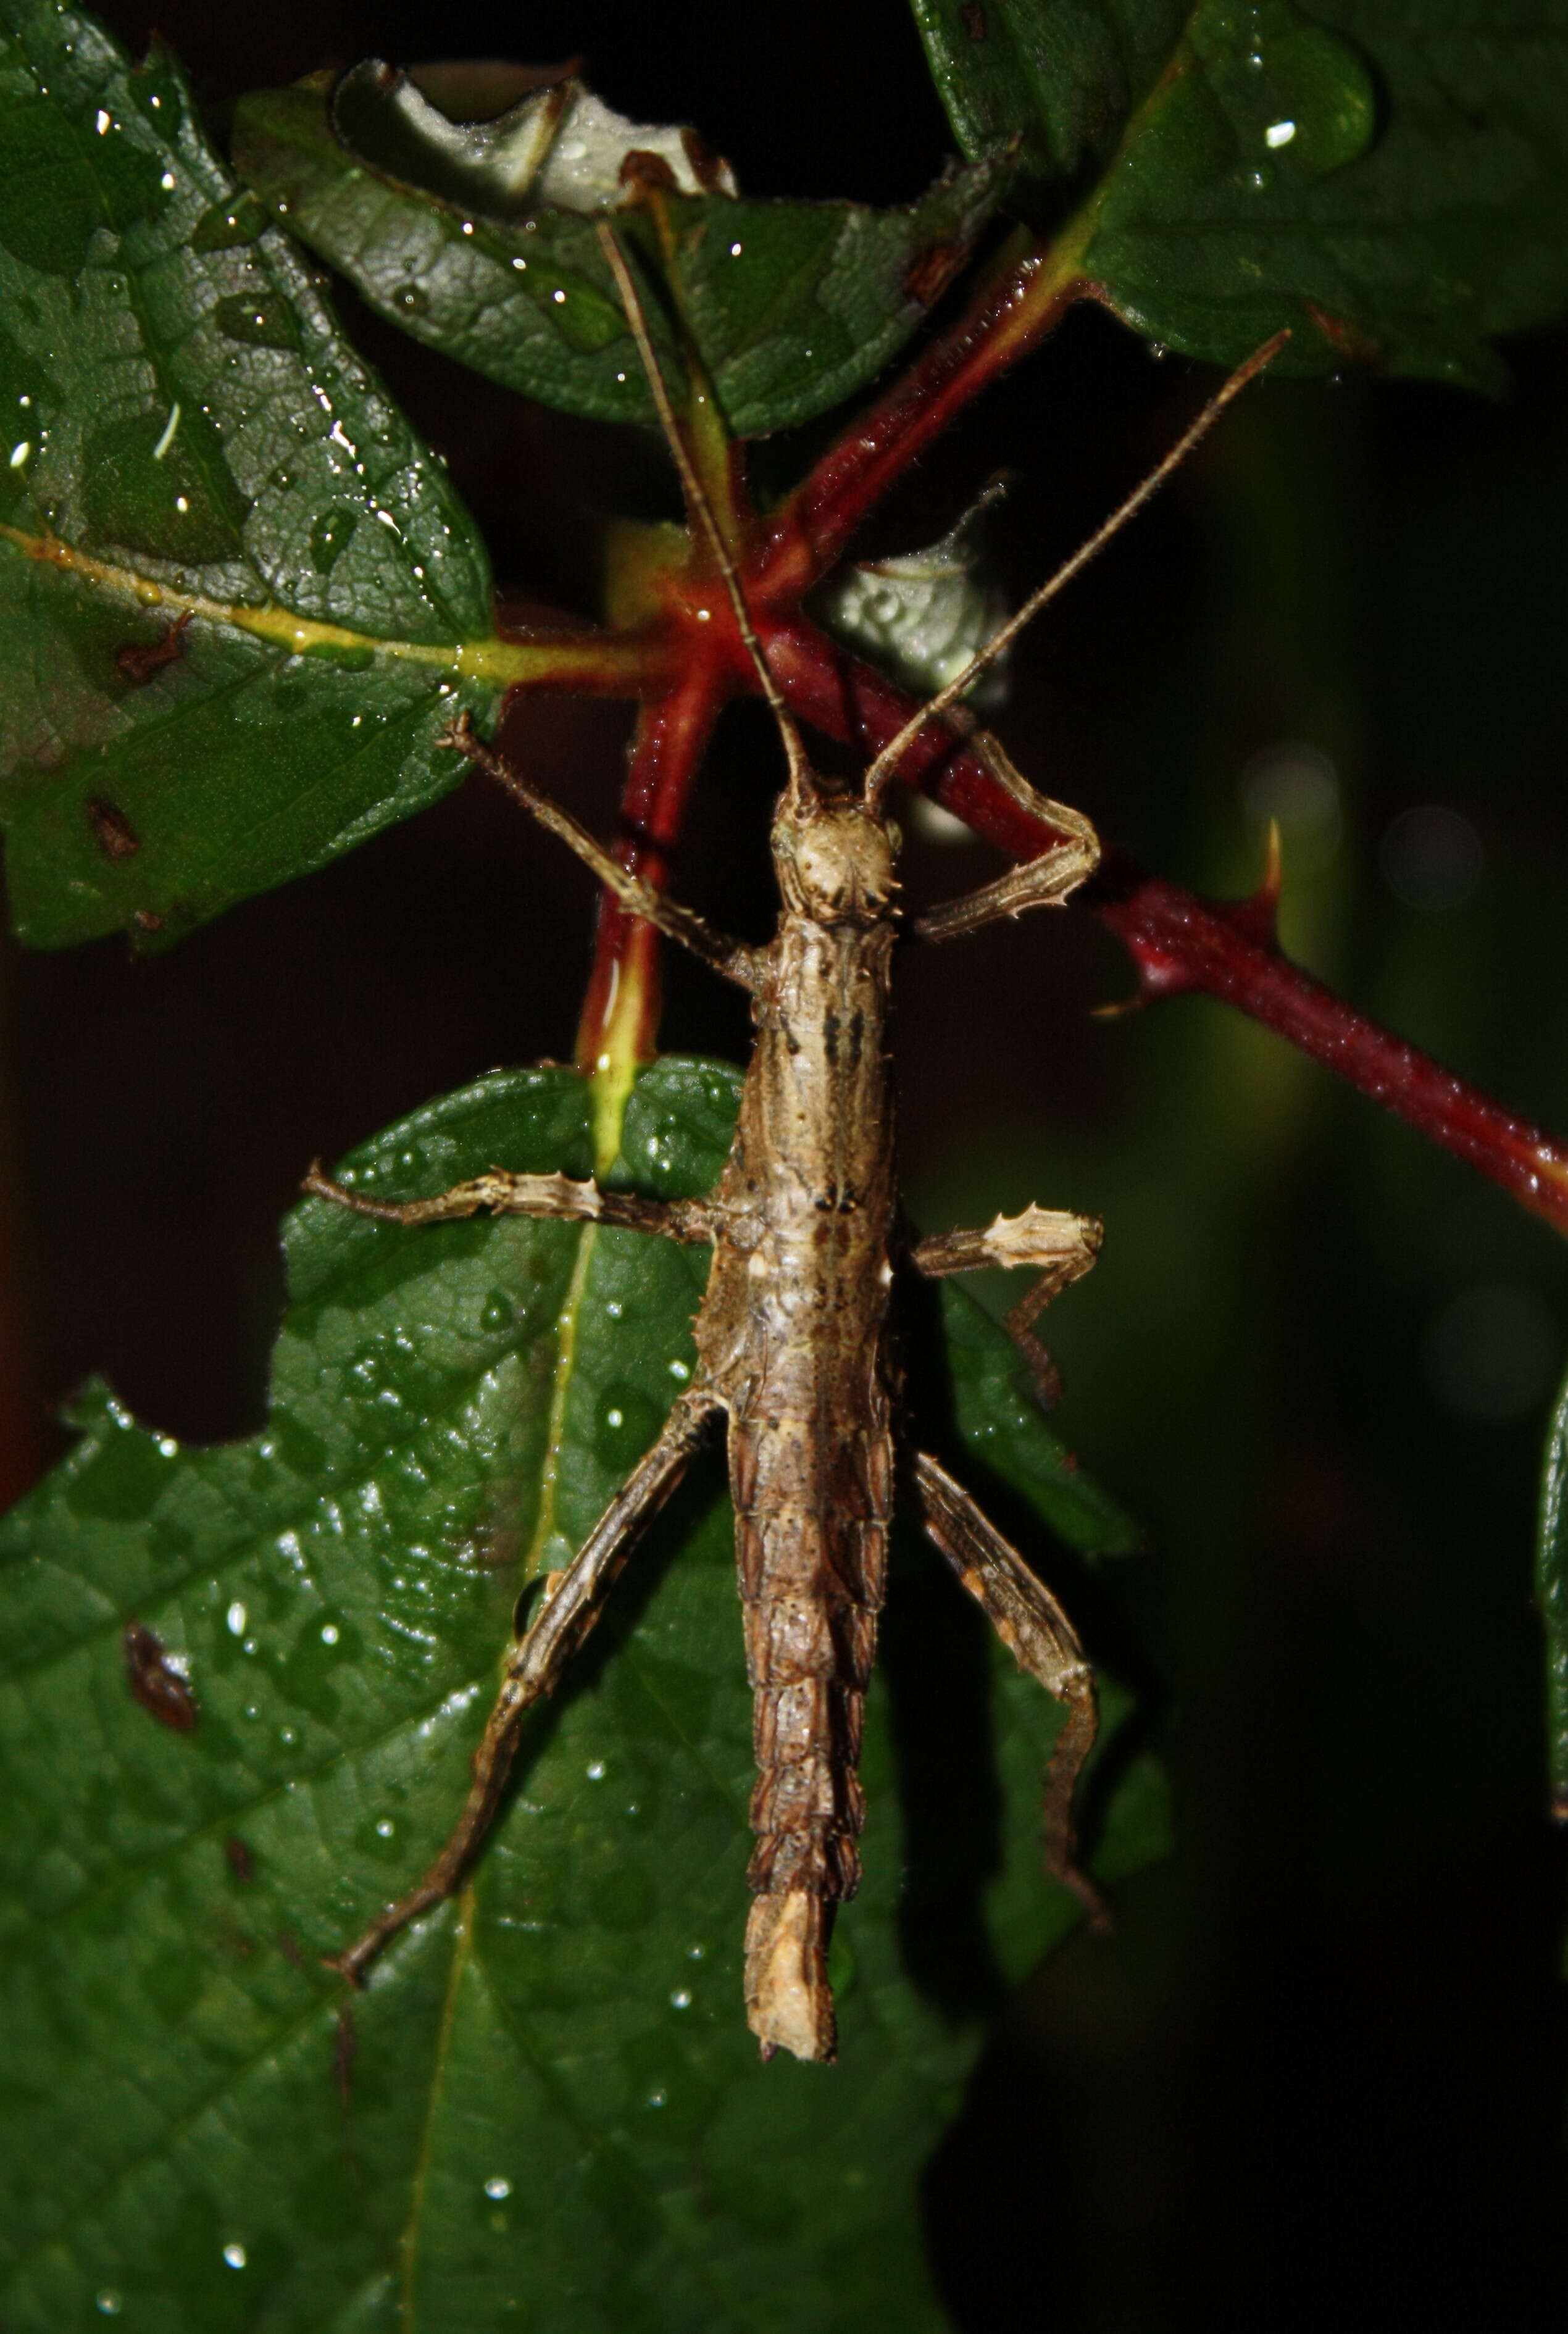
(1319, 2072)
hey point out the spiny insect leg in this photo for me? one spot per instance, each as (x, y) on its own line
(555, 1195)
(1046, 881)
(1054, 1242)
(536, 1660)
(1041, 1639)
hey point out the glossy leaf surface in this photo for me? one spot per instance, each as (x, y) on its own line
(1551, 1597)
(235, 585)
(792, 306)
(1391, 182)
(546, 2105)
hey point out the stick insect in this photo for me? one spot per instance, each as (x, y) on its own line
(791, 1333)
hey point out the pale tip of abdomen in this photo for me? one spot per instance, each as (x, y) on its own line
(789, 2005)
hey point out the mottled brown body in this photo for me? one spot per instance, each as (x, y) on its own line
(792, 1334)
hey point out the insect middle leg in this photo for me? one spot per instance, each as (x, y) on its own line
(1032, 1625)
(1060, 1246)
(536, 1660)
(505, 1194)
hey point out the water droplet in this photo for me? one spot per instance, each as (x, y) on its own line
(102, 122)
(1300, 91)
(656, 2099)
(19, 454)
(680, 1998)
(497, 1313)
(263, 322)
(111, 2302)
(235, 1617)
(331, 536)
(330, 1633)
(385, 1828)
(234, 2256)
(167, 182)
(497, 2187)
(596, 1770)
(410, 300)
(734, 250)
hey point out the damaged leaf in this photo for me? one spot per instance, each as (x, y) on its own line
(791, 306)
(241, 599)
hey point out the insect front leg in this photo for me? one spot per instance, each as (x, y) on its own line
(1046, 881)
(1060, 1246)
(555, 1195)
(734, 959)
(536, 1660)
(1038, 1634)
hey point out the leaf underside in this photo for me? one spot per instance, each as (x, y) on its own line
(1390, 183)
(547, 2104)
(190, 434)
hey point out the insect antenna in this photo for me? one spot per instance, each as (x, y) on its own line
(802, 786)
(886, 764)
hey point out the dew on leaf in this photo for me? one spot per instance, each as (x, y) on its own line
(225, 225)
(330, 535)
(257, 323)
(1288, 87)
(409, 300)
(497, 2187)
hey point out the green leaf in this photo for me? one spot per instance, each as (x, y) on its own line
(792, 306)
(1551, 1597)
(547, 2106)
(1390, 182)
(188, 439)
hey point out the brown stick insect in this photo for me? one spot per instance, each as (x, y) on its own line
(792, 1334)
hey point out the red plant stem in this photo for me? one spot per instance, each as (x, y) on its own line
(1018, 301)
(1179, 942)
(621, 1009)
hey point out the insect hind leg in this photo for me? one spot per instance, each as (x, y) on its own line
(1037, 1631)
(535, 1662)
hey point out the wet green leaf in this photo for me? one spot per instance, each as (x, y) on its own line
(193, 461)
(1389, 180)
(1551, 1597)
(793, 307)
(547, 2106)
